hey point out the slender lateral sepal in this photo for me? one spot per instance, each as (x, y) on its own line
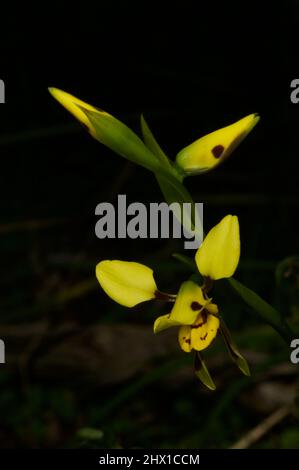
(202, 372)
(232, 349)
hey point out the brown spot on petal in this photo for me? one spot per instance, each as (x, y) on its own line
(218, 151)
(204, 317)
(204, 337)
(195, 306)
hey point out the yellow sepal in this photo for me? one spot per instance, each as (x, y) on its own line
(126, 282)
(164, 322)
(219, 254)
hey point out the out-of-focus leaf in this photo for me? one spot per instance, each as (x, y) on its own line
(287, 270)
(90, 434)
(188, 262)
(287, 282)
(268, 313)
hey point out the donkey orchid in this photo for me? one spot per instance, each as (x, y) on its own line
(194, 312)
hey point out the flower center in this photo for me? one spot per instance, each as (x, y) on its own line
(201, 319)
(195, 305)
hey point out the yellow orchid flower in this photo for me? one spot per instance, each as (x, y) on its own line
(130, 283)
(196, 317)
(208, 151)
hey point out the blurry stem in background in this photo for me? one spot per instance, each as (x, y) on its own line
(48, 304)
(262, 428)
(233, 392)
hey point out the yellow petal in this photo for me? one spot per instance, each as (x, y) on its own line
(212, 308)
(204, 331)
(207, 152)
(189, 302)
(218, 256)
(126, 282)
(185, 338)
(75, 107)
(164, 322)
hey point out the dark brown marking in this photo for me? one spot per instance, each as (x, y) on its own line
(204, 337)
(217, 151)
(188, 341)
(204, 316)
(195, 306)
(163, 296)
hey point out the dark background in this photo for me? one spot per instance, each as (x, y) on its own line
(75, 359)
